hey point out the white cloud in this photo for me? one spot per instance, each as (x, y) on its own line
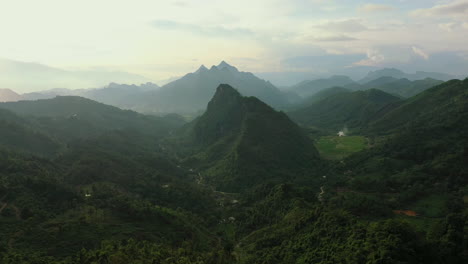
(334, 38)
(458, 8)
(420, 53)
(449, 27)
(374, 58)
(373, 8)
(215, 31)
(346, 25)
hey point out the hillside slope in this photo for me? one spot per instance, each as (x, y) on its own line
(245, 142)
(353, 110)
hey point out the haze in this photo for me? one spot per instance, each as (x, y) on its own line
(147, 40)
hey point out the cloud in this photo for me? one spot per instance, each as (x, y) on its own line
(217, 31)
(373, 8)
(420, 53)
(455, 8)
(347, 25)
(374, 58)
(334, 38)
(323, 62)
(449, 27)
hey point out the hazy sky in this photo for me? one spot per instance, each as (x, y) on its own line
(164, 38)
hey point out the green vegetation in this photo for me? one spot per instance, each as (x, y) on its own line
(335, 147)
(240, 184)
(353, 110)
(243, 142)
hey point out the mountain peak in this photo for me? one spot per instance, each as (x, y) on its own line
(225, 65)
(202, 69)
(224, 94)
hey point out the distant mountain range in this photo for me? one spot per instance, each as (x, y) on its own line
(26, 76)
(392, 81)
(190, 94)
(395, 73)
(121, 95)
(307, 88)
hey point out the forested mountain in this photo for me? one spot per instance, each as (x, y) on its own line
(68, 118)
(345, 109)
(245, 142)
(82, 182)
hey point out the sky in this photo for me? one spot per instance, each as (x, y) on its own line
(166, 38)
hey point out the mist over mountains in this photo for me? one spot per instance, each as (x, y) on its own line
(189, 94)
(43, 77)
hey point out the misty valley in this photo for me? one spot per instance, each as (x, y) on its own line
(221, 166)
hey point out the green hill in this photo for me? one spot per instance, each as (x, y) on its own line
(244, 142)
(71, 117)
(401, 87)
(422, 156)
(441, 104)
(344, 109)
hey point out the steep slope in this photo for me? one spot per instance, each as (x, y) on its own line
(353, 110)
(423, 156)
(192, 92)
(436, 106)
(308, 88)
(7, 95)
(244, 142)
